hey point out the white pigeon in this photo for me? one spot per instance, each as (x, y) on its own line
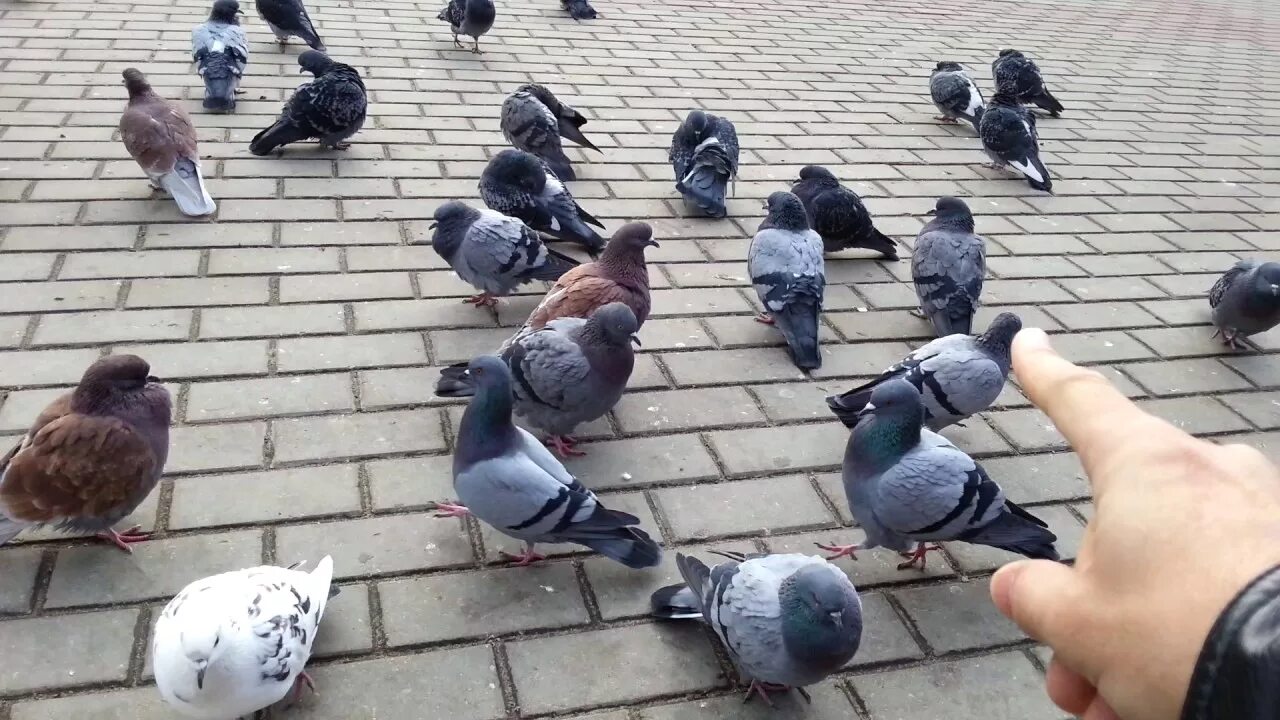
(232, 644)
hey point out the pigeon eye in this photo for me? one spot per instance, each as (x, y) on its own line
(217, 640)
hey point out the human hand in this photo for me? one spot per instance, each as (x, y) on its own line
(1180, 527)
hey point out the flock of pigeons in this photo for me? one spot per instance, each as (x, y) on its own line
(231, 644)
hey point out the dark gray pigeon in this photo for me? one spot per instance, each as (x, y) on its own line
(91, 457)
(957, 375)
(948, 266)
(955, 95)
(1246, 301)
(472, 18)
(220, 51)
(908, 485)
(580, 9)
(570, 372)
(330, 108)
(704, 155)
(493, 252)
(1009, 136)
(519, 184)
(786, 620)
(289, 18)
(785, 264)
(1017, 75)
(838, 215)
(533, 120)
(506, 478)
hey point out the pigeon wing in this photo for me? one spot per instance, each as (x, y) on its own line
(935, 492)
(1228, 279)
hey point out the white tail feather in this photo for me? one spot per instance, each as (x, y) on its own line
(186, 185)
(1027, 168)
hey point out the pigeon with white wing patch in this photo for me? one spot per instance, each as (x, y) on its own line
(1020, 76)
(955, 95)
(520, 184)
(221, 52)
(1009, 137)
(704, 155)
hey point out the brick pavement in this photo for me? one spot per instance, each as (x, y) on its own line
(299, 330)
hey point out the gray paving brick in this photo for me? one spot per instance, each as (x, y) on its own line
(91, 648)
(357, 435)
(683, 410)
(267, 397)
(957, 616)
(326, 353)
(873, 567)
(18, 566)
(59, 296)
(227, 446)
(20, 408)
(1261, 409)
(295, 493)
(271, 321)
(44, 367)
(189, 292)
(710, 510)
(1196, 415)
(1178, 377)
(1005, 686)
(374, 546)
(709, 367)
(773, 449)
(640, 461)
(272, 261)
(133, 704)
(175, 361)
(145, 263)
(347, 627)
(829, 703)
(105, 327)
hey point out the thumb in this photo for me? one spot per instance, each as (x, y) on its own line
(1041, 597)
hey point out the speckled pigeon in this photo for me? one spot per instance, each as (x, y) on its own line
(948, 266)
(330, 108)
(838, 215)
(704, 155)
(906, 484)
(506, 478)
(520, 184)
(472, 18)
(570, 372)
(957, 375)
(955, 94)
(786, 268)
(232, 644)
(160, 137)
(289, 18)
(580, 10)
(91, 457)
(493, 252)
(787, 621)
(534, 120)
(220, 51)
(1245, 301)
(1018, 75)
(1009, 136)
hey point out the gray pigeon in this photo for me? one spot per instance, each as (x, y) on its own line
(570, 372)
(519, 184)
(580, 10)
(289, 18)
(1246, 301)
(954, 94)
(948, 266)
(838, 215)
(220, 51)
(704, 155)
(506, 478)
(330, 108)
(785, 264)
(1009, 136)
(787, 620)
(957, 375)
(92, 456)
(472, 18)
(534, 120)
(496, 253)
(908, 485)
(1018, 75)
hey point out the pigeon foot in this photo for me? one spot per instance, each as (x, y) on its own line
(524, 559)
(565, 445)
(483, 299)
(450, 510)
(123, 540)
(763, 318)
(476, 48)
(839, 550)
(763, 689)
(921, 552)
(947, 120)
(303, 680)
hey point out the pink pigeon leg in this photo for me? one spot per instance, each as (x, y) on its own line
(763, 318)
(483, 299)
(451, 510)
(524, 559)
(839, 550)
(303, 680)
(123, 540)
(920, 553)
(945, 119)
(565, 445)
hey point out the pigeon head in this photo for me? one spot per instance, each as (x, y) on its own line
(888, 427)
(951, 212)
(1010, 52)
(488, 372)
(895, 399)
(1267, 279)
(514, 166)
(314, 62)
(453, 214)
(226, 11)
(818, 174)
(948, 67)
(486, 423)
(136, 83)
(629, 242)
(998, 339)
(616, 324)
(543, 96)
(112, 379)
(206, 634)
(785, 212)
(822, 615)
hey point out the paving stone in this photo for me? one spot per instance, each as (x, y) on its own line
(957, 616)
(44, 367)
(133, 704)
(1039, 478)
(60, 296)
(872, 568)
(18, 567)
(105, 327)
(267, 397)
(294, 493)
(1098, 316)
(188, 292)
(174, 361)
(397, 387)
(357, 435)
(341, 353)
(1258, 369)
(710, 510)
(1005, 686)
(92, 648)
(144, 263)
(636, 462)
(20, 408)
(348, 286)
(1196, 415)
(1029, 430)
(714, 367)
(271, 321)
(798, 401)
(1093, 347)
(227, 446)
(829, 703)
(1179, 377)
(273, 261)
(977, 438)
(683, 410)
(1261, 409)
(347, 627)
(410, 482)
(375, 546)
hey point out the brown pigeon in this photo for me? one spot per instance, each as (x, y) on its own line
(160, 137)
(92, 456)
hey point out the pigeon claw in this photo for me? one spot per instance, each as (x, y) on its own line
(948, 120)
(839, 550)
(303, 680)
(524, 559)
(920, 554)
(763, 318)
(764, 688)
(450, 510)
(483, 299)
(123, 540)
(565, 445)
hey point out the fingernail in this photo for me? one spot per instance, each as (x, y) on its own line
(1002, 584)
(1033, 338)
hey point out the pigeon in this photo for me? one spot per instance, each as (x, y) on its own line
(906, 484)
(838, 215)
(92, 456)
(159, 135)
(506, 478)
(1009, 136)
(570, 372)
(787, 621)
(580, 10)
(220, 51)
(1018, 75)
(289, 17)
(955, 94)
(533, 120)
(948, 266)
(519, 184)
(704, 154)
(493, 252)
(1245, 301)
(957, 375)
(469, 17)
(785, 264)
(232, 644)
(330, 108)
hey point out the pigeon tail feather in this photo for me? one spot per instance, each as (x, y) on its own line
(1016, 531)
(706, 188)
(630, 546)
(847, 405)
(573, 134)
(278, 135)
(1047, 184)
(559, 164)
(947, 322)
(799, 325)
(219, 93)
(454, 382)
(1048, 102)
(882, 244)
(557, 264)
(186, 185)
(675, 602)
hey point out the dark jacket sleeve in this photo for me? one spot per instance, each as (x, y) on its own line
(1238, 674)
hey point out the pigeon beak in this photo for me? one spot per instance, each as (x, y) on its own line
(651, 243)
(201, 667)
(764, 205)
(837, 617)
(1275, 289)
(240, 13)
(868, 410)
(153, 379)
(932, 211)
(433, 225)
(636, 339)
(301, 70)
